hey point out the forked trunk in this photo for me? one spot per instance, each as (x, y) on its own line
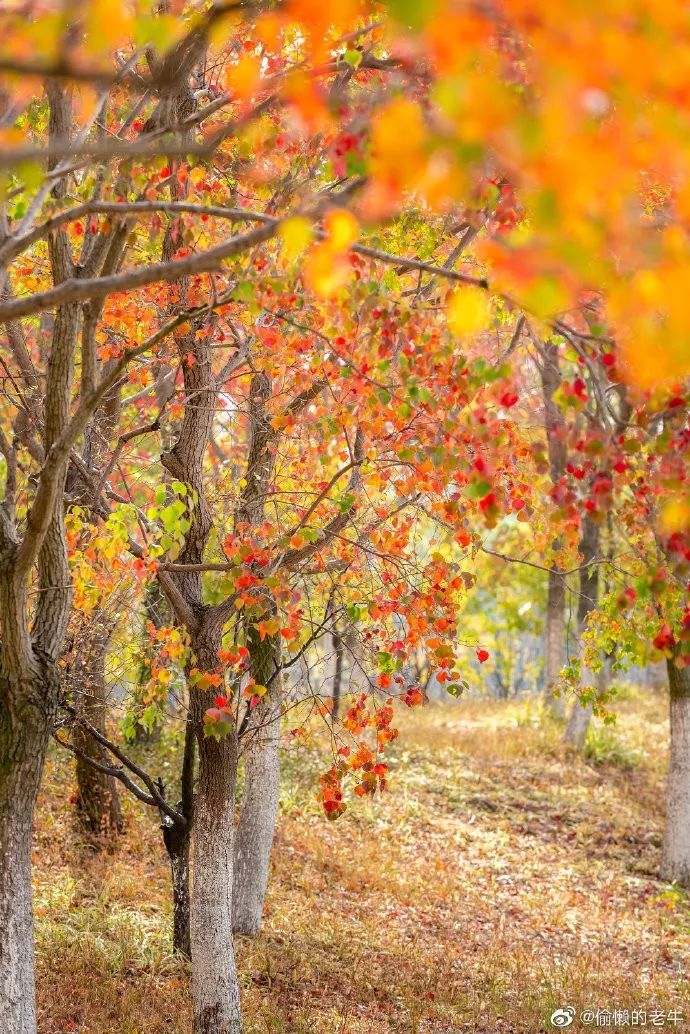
(23, 744)
(256, 825)
(675, 862)
(554, 643)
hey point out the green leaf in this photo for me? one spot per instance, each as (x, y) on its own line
(477, 489)
(412, 13)
(353, 58)
(386, 662)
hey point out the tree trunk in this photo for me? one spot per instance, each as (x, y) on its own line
(257, 821)
(339, 651)
(554, 643)
(29, 678)
(156, 611)
(24, 731)
(581, 714)
(578, 725)
(176, 839)
(260, 736)
(98, 802)
(554, 632)
(675, 863)
(215, 990)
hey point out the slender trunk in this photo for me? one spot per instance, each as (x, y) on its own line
(261, 732)
(675, 861)
(156, 612)
(257, 821)
(578, 724)
(554, 643)
(98, 802)
(554, 631)
(215, 990)
(24, 731)
(581, 714)
(176, 839)
(339, 651)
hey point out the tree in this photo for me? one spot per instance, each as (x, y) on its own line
(555, 625)
(362, 150)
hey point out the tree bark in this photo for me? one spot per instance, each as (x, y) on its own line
(24, 731)
(554, 643)
(554, 630)
(215, 990)
(339, 651)
(257, 821)
(581, 714)
(675, 863)
(176, 839)
(29, 677)
(260, 736)
(155, 607)
(578, 724)
(98, 802)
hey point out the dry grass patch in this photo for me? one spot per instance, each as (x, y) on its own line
(500, 878)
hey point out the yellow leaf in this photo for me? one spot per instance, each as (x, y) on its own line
(325, 272)
(108, 24)
(468, 311)
(675, 516)
(259, 691)
(296, 235)
(398, 135)
(243, 78)
(342, 229)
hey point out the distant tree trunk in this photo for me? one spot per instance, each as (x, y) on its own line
(156, 610)
(257, 821)
(554, 630)
(575, 734)
(554, 642)
(581, 714)
(98, 802)
(675, 863)
(339, 651)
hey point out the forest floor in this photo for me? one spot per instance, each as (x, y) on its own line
(498, 880)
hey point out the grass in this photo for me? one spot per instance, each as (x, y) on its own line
(499, 879)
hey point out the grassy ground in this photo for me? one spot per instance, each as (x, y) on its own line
(498, 880)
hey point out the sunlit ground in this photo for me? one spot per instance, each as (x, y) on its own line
(499, 879)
